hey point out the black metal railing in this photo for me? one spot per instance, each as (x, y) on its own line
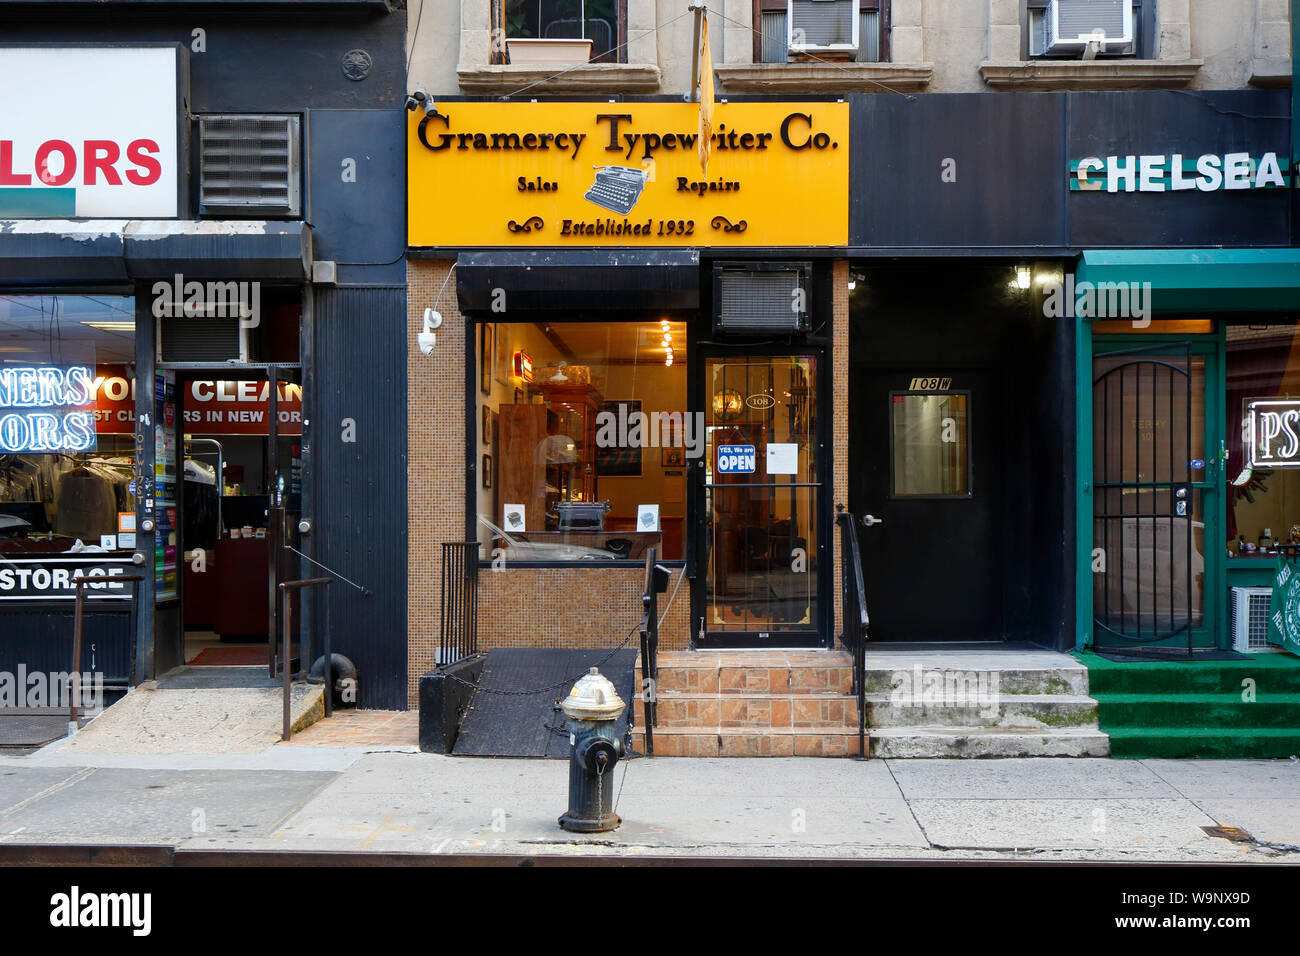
(649, 689)
(458, 627)
(856, 620)
(79, 612)
(286, 589)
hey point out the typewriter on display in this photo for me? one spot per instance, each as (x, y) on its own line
(617, 188)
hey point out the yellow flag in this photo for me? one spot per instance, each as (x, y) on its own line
(706, 96)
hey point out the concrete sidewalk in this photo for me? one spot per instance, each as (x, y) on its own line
(358, 799)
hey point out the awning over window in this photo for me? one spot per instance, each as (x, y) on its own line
(46, 252)
(575, 280)
(1202, 280)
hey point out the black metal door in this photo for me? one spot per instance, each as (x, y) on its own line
(926, 490)
(1148, 497)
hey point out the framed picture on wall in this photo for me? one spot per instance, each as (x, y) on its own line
(502, 368)
(486, 355)
(619, 462)
(485, 428)
(487, 471)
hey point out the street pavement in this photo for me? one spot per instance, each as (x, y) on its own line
(396, 799)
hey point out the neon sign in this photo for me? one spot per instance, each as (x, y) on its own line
(1271, 433)
(44, 409)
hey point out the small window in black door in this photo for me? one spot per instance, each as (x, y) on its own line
(930, 445)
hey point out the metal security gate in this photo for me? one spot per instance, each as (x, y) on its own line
(1149, 496)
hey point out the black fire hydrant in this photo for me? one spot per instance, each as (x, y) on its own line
(593, 708)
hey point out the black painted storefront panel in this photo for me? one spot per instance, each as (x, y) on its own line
(1011, 155)
(40, 638)
(361, 223)
(359, 515)
(1008, 150)
(1191, 123)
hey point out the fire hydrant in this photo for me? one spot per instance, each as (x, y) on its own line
(593, 707)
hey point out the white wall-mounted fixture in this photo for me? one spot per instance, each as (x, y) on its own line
(426, 339)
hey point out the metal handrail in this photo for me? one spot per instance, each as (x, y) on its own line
(650, 653)
(857, 621)
(80, 584)
(458, 605)
(286, 588)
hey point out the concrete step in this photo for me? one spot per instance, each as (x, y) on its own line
(1031, 711)
(679, 709)
(751, 742)
(901, 742)
(1066, 679)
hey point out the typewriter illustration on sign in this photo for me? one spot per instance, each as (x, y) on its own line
(617, 188)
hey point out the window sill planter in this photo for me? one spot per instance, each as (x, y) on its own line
(586, 78)
(548, 52)
(1090, 74)
(851, 77)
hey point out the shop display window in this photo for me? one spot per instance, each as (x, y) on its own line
(583, 440)
(66, 423)
(1263, 438)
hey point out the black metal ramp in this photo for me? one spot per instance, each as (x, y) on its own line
(515, 709)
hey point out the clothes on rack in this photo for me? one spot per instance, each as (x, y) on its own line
(76, 496)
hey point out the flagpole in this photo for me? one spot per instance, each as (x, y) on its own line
(698, 7)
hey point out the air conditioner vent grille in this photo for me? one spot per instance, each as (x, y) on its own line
(201, 340)
(1250, 608)
(1083, 17)
(249, 164)
(758, 301)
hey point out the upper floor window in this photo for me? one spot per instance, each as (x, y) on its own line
(1088, 29)
(544, 25)
(820, 29)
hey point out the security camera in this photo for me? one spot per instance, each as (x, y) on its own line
(432, 320)
(419, 98)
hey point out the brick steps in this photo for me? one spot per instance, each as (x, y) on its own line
(678, 709)
(752, 704)
(751, 741)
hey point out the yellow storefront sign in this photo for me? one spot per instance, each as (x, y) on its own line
(628, 174)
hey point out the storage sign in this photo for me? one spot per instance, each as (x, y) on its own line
(736, 459)
(89, 132)
(54, 579)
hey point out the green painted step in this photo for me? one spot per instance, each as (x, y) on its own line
(1183, 742)
(1139, 711)
(1272, 674)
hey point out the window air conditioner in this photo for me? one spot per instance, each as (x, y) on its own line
(1068, 26)
(249, 165)
(760, 298)
(199, 339)
(1250, 619)
(822, 26)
